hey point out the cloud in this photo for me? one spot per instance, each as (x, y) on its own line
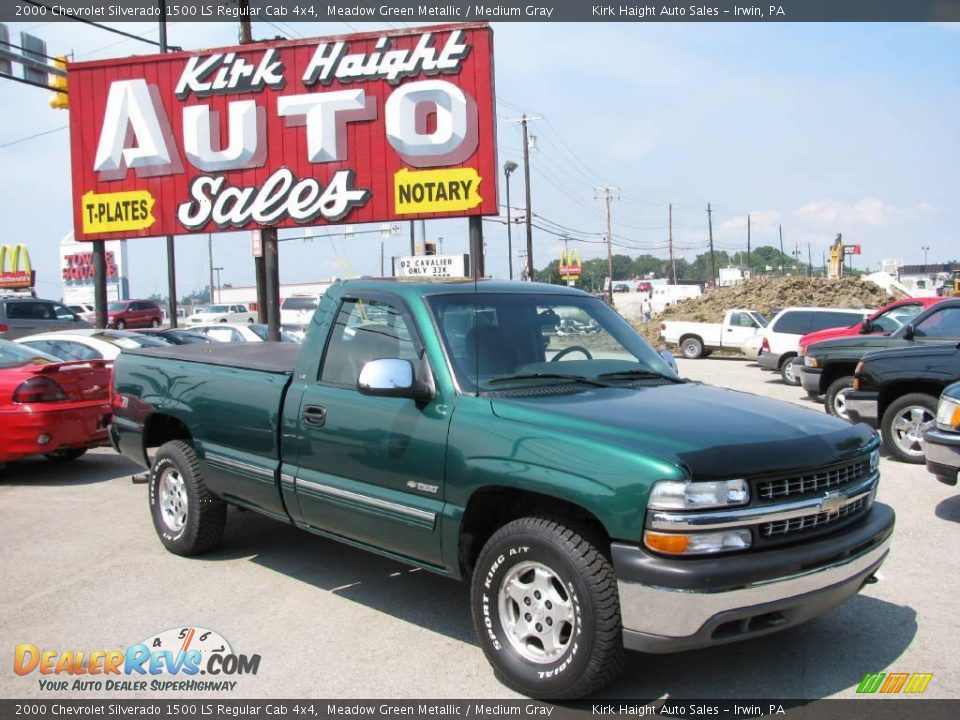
(758, 219)
(866, 211)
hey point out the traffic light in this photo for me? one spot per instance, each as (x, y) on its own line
(58, 83)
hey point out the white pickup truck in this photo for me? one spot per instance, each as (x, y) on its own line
(697, 339)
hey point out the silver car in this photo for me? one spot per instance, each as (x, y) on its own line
(21, 316)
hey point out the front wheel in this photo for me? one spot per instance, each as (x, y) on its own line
(903, 425)
(154, 323)
(546, 610)
(188, 519)
(787, 373)
(121, 325)
(835, 400)
(692, 348)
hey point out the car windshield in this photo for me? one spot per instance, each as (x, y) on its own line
(117, 307)
(13, 355)
(129, 341)
(217, 309)
(299, 303)
(185, 337)
(501, 342)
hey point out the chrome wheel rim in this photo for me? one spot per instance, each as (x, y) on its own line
(908, 428)
(173, 500)
(788, 372)
(840, 404)
(537, 613)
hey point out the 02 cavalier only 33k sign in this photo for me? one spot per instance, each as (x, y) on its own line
(359, 128)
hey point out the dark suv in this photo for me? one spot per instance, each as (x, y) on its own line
(21, 316)
(124, 314)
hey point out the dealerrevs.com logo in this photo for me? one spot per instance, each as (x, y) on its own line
(179, 659)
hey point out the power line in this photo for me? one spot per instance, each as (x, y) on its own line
(102, 26)
(35, 135)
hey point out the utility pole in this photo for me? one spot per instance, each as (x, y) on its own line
(524, 120)
(823, 262)
(210, 260)
(672, 268)
(508, 167)
(381, 258)
(171, 250)
(809, 261)
(748, 242)
(607, 192)
(713, 264)
(780, 228)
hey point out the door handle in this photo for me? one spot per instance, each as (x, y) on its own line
(314, 415)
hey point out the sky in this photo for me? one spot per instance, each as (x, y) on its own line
(818, 128)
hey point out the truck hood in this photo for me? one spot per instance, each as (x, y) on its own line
(931, 351)
(715, 433)
(830, 334)
(857, 344)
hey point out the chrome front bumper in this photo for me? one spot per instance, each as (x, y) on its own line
(863, 407)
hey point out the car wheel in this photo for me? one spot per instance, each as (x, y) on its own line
(835, 399)
(223, 320)
(546, 610)
(250, 321)
(121, 324)
(903, 425)
(66, 454)
(154, 323)
(188, 519)
(786, 371)
(691, 348)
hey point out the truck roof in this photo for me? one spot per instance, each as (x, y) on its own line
(420, 288)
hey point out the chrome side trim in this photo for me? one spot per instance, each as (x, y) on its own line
(673, 613)
(739, 517)
(288, 482)
(378, 503)
(230, 464)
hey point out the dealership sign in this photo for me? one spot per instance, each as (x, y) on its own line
(16, 273)
(360, 128)
(432, 266)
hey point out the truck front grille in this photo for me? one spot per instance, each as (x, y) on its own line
(818, 481)
(783, 528)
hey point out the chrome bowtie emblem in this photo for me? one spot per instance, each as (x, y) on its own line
(832, 502)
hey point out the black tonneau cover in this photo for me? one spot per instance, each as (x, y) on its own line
(271, 357)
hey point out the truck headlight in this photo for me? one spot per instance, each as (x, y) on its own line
(702, 543)
(810, 361)
(874, 460)
(681, 495)
(948, 414)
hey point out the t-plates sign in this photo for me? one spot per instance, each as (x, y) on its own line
(358, 128)
(432, 266)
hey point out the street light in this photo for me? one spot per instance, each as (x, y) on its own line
(219, 294)
(926, 249)
(508, 167)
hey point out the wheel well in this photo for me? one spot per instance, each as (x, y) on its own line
(491, 508)
(688, 336)
(890, 394)
(785, 357)
(834, 371)
(160, 429)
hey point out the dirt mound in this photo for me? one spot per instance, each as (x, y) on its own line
(769, 296)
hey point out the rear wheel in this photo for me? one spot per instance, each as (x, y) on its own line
(835, 400)
(787, 373)
(691, 348)
(154, 323)
(188, 519)
(903, 425)
(546, 610)
(250, 321)
(66, 454)
(121, 324)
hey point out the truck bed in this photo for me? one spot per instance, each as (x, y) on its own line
(271, 357)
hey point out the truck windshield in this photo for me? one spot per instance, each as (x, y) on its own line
(504, 341)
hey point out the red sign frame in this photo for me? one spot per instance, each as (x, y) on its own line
(442, 77)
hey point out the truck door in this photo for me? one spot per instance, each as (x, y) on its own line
(740, 327)
(371, 468)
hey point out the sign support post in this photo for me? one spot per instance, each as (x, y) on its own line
(271, 271)
(100, 282)
(476, 246)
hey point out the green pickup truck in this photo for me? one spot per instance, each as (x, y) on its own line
(593, 498)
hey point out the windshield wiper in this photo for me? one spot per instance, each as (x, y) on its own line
(548, 376)
(635, 374)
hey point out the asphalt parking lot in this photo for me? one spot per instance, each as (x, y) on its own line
(82, 569)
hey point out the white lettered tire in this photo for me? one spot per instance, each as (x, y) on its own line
(546, 610)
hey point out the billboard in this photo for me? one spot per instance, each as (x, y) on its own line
(16, 273)
(357, 128)
(76, 271)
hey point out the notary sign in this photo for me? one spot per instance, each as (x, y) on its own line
(370, 127)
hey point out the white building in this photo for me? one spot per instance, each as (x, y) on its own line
(247, 294)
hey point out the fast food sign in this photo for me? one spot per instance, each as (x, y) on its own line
(370, 127)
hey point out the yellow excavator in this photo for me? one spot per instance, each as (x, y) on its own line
(835, 269)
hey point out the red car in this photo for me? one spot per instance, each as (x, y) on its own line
(123, 314)
(52, 408)
(885, 321)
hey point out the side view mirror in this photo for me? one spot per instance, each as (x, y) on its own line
(670, 360)
(392, 378)
(908, 332)
(866, 327)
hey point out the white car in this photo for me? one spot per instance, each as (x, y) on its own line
(781, 338)
(223, 314)
(298, 310)
(89, 344)
(240, 332)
